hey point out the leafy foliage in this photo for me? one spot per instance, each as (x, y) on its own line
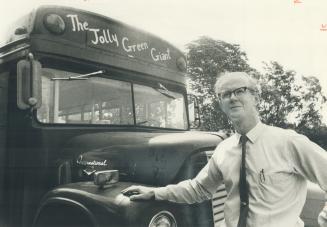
(277, 94)
(206, 58)
(287, 99)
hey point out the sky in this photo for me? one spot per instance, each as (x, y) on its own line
(291, 32)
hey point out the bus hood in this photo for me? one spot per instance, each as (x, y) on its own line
(148, 158)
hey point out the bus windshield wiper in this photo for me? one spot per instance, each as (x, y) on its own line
(164, 91)
(142, 122)
(79, 77)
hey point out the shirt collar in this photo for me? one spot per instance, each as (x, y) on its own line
(254, 133)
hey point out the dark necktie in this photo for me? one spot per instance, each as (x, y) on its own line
(243, 187)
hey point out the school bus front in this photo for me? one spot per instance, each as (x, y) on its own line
(90, 107)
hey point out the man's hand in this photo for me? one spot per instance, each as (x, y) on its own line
(322, 218)
(139, 193)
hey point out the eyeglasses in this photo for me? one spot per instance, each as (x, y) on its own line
(238, 92)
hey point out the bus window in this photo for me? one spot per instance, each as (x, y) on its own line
(158, 108)
(95, 100)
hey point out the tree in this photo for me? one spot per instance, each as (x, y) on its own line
(287, 100)
(312, 101)
(207, 58)
(278, 95)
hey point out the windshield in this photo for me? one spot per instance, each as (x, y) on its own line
(99, 100)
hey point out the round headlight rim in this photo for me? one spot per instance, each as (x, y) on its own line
(165, 213)
(50, 27)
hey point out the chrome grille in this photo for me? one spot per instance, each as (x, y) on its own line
(218, 200)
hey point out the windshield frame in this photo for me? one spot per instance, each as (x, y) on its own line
(133, 79)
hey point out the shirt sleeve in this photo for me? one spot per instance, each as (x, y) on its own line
(201, 188)
(310, 160)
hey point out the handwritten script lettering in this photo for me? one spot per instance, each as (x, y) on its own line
(106, 36)
(133, 47)
(297, 1)
(157, 56)
(80, 161)
(100, 35)
(77, 25)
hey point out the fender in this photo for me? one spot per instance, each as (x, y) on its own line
(84, 204)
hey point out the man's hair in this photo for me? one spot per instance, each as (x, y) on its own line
(253, 83)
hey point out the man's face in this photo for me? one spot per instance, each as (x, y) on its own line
(236, 99)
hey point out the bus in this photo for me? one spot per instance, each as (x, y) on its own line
(89, 107)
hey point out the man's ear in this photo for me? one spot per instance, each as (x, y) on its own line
(222, 109)
(257, 99)
(219, 104)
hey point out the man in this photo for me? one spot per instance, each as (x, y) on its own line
(264, 168)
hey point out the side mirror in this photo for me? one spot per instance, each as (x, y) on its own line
(194, 111)
(29, 84)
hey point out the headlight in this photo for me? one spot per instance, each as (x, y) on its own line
(163, 219)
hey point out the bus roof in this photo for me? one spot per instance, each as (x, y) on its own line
(92, 37)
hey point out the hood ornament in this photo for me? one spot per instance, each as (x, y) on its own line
(89, 171)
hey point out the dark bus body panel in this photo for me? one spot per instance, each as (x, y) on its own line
(108, 207)
(141, 157)
(3, 138)
(118, 52)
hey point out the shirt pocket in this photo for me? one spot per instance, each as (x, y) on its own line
(273, 185)
(276, 178)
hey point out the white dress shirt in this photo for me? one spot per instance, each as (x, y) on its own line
(278, 163)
